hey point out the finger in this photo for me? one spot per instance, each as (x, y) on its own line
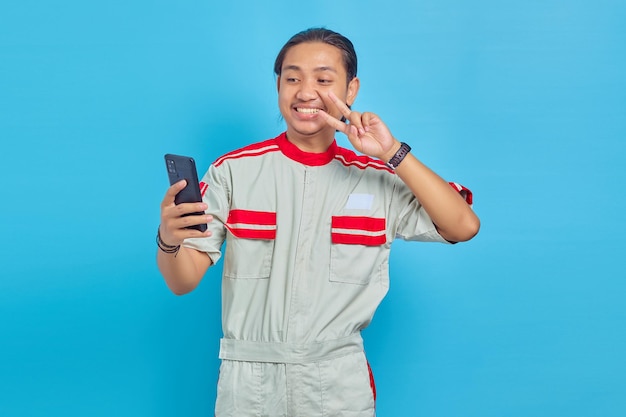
(180, 235)
(353, 137)
(171, 192)
(336, 124)
(355, 120)
(343, 107)
(352, 116)
(179, 210)
(176, 229)
(367, 118)
(182, 223)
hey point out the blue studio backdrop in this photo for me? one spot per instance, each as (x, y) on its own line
(523, 102)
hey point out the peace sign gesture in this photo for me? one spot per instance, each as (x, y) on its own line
(365, 131)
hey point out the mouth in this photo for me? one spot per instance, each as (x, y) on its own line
(305, 110)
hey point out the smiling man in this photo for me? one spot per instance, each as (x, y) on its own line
(308, 73)
(308, 227)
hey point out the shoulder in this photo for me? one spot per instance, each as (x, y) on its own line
(253, 150)
(350, 159)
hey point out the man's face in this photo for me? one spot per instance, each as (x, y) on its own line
(310, 70)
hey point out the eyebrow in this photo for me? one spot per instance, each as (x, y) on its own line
(317, 69)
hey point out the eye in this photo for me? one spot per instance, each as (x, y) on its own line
(324, 81)
(291, 79)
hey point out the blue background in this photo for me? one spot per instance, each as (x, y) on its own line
(524, 102)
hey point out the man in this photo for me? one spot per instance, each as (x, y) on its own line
(308, 228)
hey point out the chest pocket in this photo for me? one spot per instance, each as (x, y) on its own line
(249, 244)
(357, 244)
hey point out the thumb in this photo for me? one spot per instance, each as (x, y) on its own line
(171, 192)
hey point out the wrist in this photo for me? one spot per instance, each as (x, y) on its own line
(398, 156)
(392, 151)
(164, 247)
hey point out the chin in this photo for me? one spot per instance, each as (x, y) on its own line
(311, 131)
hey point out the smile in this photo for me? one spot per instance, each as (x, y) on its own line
(307, 111)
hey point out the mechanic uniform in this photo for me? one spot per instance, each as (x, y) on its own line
(305, 267)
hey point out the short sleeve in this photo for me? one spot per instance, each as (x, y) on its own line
(414, 223)
(215, 195)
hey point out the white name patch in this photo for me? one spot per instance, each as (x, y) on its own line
(360, 202)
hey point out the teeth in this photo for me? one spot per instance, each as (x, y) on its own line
(307, 111)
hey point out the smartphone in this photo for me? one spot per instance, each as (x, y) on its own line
(184, 167)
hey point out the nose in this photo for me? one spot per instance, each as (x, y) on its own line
(307, 90)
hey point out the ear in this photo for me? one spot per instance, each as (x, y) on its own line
(353, 89)
(278, 83)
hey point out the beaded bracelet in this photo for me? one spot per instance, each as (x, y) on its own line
(164, 246)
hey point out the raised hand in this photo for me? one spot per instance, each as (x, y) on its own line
(365, 131)
(174, 223)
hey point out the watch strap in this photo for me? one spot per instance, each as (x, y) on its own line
(399, 156)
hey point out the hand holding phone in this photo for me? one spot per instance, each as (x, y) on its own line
(184, 167)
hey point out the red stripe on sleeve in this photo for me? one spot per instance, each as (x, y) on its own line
(465, 192)
(203, 187)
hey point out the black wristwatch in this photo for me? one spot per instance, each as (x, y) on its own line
(399, 156)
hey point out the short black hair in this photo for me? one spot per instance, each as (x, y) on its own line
(325, 36)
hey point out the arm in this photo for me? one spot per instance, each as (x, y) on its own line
(182, 270)
(453, 217)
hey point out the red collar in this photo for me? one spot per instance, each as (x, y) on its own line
(291, 151)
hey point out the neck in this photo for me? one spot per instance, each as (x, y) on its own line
(316, 143)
